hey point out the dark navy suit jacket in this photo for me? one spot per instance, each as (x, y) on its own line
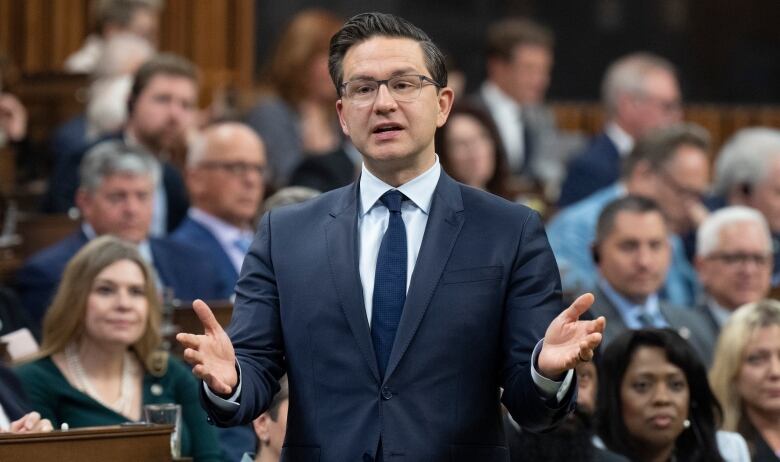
(192, 233)
(182, 267)
(595, 168)
(484, 289)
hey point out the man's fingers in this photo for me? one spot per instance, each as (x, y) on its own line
(43, 426)
(188, 340)
(193, 357)
(580, 305)
(206, 317)
(216, 385)
(596, 325)
(31, 420)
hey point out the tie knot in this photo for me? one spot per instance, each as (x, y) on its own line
(392, 200)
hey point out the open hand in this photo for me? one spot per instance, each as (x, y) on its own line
(210, 354)
(569, 341)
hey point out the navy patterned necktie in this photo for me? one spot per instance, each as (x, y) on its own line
(389, 281)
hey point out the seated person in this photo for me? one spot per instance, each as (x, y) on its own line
(470, 151)
(633, 254)
(747, 172)
(225, 181)
(734, 262)
(745, 376)
(670, 166)
(15, 414)
(116, 197)
(654, 403)
(100, 360)
(271, 427)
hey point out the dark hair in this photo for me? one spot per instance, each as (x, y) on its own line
(498, 184)
(696, 443)
(659, 146)
(163, 63)
(281, 396)
(635, 204)
(367, 25)
(503, 36)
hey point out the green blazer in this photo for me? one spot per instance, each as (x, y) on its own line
(55, 399)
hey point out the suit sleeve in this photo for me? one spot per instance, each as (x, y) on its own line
(256, 333)
(533, 301)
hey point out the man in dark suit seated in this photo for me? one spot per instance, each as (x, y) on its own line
(161, 112)
(640, 93)
(400, 305)
(224, 177)
(733, 261)
(115, 197)
(633, 253)
(15, 415)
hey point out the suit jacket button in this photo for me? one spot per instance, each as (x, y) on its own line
(387, 393)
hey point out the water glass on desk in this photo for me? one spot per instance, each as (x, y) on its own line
(169, 414)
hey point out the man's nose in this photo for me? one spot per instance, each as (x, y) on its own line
(384, 99)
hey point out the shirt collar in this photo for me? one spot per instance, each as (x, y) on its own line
(629, 310)
(718, 311)
(623, 141)
(496, 99)
(224, 231)
(419, 190)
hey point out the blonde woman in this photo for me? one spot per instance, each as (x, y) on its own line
(745, 377)
(99, 361)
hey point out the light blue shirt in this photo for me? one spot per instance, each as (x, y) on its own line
(373, 219)
(631, 312)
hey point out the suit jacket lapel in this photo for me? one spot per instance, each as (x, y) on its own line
(342, 241)
(444, 224)
(615, 322)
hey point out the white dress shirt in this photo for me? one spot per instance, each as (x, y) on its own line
(5, 422)
(225, 233)
(507, 115)
(623, 141)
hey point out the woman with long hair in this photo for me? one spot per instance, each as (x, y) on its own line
(100, 360)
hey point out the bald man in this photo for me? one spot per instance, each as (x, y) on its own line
(225, 181)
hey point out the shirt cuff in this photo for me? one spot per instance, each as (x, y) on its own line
(228, 405)
(549, 388)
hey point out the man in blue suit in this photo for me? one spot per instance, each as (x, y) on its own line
(640, 93)
(115, 197)
(225, 181)
(400, 305)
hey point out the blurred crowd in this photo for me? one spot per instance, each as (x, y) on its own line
(677, 239)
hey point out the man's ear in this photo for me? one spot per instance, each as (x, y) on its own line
(340, 112)
(445, 99)
(260, 426)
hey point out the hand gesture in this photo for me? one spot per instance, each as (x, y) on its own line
(569, 341)
(31, 423)
(210, 354)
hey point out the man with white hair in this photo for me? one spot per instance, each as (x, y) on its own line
(733, 261)
(640, 93)
(747, 172)
(115, 196)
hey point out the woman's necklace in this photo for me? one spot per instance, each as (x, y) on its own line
(124, 403)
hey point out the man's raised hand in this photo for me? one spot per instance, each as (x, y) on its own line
(568, 340)
(211, 355)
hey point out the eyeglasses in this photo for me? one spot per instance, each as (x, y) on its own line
(235, 168)
(684, 191)
(403, 88)
(739, 258)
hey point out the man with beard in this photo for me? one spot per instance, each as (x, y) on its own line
(161, 111)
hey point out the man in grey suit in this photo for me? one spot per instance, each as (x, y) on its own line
(733, 261)
(519, 61)
(632, 252)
